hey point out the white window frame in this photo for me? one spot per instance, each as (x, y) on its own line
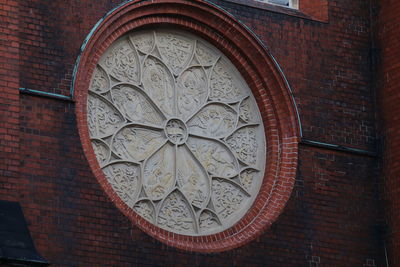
(292, 3)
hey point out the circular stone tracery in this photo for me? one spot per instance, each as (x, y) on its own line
(176, 131)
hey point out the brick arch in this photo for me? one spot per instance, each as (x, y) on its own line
(263, 76)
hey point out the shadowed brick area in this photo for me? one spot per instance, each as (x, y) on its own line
(388, 51)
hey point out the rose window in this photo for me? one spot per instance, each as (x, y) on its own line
(176, 131)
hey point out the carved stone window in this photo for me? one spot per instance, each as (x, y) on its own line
(176, 131)
(187, 123)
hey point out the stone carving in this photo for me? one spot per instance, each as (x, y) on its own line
(122, 62)
(101, 151)
(176, 50)
(158, 176)
(214, 156)
(159, 84)
(227, 197)
(101, 82)
(124, 179)
(169, 120)
(244, 143)
(136, 143)
(176, 215)
(145, 209)
(192, 91)
(192, 178)
(143, 41)
(103, 118)
(225, 83)
(176, 131)
(247, 178)
(214, 120)
(247, 112)
(205, 55)
(208, 220)
(134, 105)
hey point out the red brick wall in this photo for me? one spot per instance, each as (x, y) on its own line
(389, 92)
(327, 65)
(9, 99)
(315, 9)
(333, 213)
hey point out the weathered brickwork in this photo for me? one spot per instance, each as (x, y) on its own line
(333, 216)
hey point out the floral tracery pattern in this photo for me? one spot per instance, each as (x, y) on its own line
(177, 131)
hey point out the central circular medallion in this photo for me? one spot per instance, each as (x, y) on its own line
(176, 131)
